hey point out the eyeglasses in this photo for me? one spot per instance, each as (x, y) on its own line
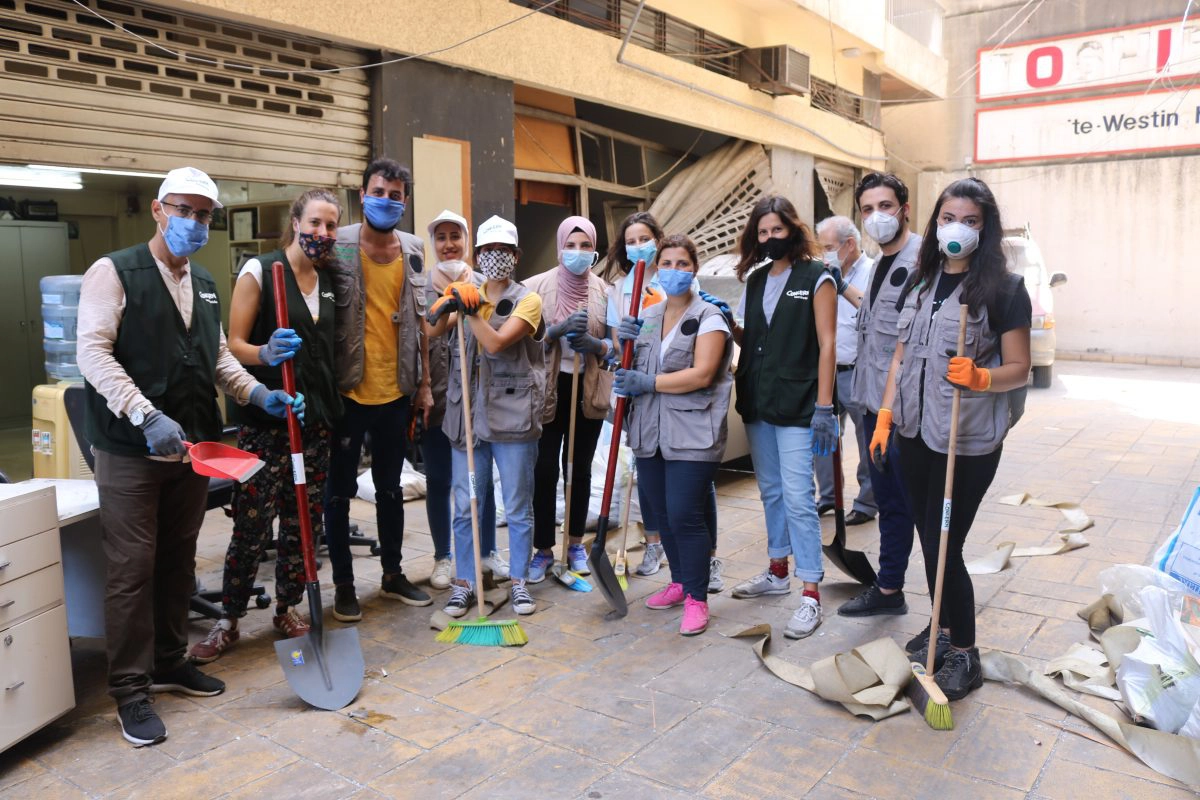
(203, 217)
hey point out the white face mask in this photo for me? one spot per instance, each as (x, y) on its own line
(833, 259)
(882, 227)
(452, 268)
(957, 240)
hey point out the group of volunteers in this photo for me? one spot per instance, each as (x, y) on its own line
(380, 342)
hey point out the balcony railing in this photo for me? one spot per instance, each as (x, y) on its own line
(920, 19)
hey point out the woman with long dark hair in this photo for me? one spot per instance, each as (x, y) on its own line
(785, 379)
(961, 263)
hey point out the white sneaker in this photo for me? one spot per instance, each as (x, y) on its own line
(440, 579)
(652, 560)
(495, 563)
(715, 582)
(761, 585)
(805, 620)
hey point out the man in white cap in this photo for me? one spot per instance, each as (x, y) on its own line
(151, 349)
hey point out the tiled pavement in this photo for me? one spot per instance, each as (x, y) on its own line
(629, 709)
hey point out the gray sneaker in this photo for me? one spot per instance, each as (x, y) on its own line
(805, 620)
(715, 582)
(761, 585)
(652, 560)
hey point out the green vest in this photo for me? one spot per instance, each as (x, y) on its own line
(174, 367)
(776, 376)
(313, 362)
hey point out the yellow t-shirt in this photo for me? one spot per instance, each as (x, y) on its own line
(381, 347)
(528, 309)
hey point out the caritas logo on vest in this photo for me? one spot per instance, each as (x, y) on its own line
(798, 294)
(209, 297)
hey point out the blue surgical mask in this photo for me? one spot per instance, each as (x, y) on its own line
(382, 212)
(675, 281)
(184, 236)
(641, 252)
(578, 261)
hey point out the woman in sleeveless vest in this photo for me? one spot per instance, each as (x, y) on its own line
(507, 382)
(960, 263)
(785, 380)
(258, 342)
(677, 423)
(451, 243)
(574, 300)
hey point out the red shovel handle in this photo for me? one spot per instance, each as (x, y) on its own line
(295, 439)
(614, 446)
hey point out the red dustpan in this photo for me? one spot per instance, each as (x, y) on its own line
(216, 460)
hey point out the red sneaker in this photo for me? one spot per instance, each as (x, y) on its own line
(218, 641)
(291, 624)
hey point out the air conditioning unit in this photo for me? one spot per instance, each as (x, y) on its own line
(775, 70)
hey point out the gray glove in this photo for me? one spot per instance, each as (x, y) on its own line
(282, 345)
(839, 282)
(574, 324)
(585, 343)
(632, 383)
(824, 428)
(164, 436)
(629, 329)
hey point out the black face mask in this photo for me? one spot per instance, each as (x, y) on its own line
(775, 248)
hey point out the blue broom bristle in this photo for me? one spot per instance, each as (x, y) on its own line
(484, 633)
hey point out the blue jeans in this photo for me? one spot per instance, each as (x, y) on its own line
(895, 521)
(514, 461)
(388, 426)
(783, 465)
(680, 516)
(435, 450)
(710, 514)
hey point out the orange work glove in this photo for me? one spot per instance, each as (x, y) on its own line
(443, 305)
(651, 297)
(963, 373)
(879, 439)
(466, 294)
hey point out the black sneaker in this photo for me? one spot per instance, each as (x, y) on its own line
(398, 587)
(461, 599)
(345, 604)
(921, 654)
(824, 508)
(186, 679)
(873, 602)
(917, 642)
(140, 725)
(857, 517)
(961, 674)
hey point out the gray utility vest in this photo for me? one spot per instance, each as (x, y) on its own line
(508, 388)
(439, 355)
(877, 319)
(350, 319)
(685, 427)
(924, 396)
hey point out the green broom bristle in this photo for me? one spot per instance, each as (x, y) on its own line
(484, 632)
(937, 713)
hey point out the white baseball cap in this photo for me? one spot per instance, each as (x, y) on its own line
(496, 230)
(189, 180)
(449, 216)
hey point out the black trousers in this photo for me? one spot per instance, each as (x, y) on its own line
(551, 448)
(925, 478)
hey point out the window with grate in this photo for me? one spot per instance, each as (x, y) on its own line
(828, 97)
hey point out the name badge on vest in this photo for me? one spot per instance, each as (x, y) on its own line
(798, 294)
(209, 297)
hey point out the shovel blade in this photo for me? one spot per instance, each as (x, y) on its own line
(852, 562)
(603, 572)
(216, 460)
(324, 674)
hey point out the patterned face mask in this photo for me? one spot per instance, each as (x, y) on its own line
(314, 246)
(496, 265)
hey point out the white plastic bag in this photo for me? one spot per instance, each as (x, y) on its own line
(412, 484)
(1179, 557)
(1125, 583)
(1160, 680)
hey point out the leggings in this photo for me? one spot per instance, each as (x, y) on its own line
(552, 452)
(925, 478)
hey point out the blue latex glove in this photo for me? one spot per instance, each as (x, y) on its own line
(721, 305)
(631, 383)
(164, 437)
(838, 281)
(282, 345)
(629, 329)
(824, 431)
(276, 402)
(585, 343)
(573, 325)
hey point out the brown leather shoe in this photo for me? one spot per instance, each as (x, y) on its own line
(217, 642)
(291, 624)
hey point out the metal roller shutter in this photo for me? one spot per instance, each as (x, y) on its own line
(75, 91)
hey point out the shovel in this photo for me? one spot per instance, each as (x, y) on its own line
(216, 460)
(852, 562)
(324, 669)
(602, 568)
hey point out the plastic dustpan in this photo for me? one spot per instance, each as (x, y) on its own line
(216, 460)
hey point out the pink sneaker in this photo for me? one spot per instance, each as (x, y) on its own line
(695, 617)
(668, 598)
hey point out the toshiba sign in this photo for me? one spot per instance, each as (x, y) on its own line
(1096, 59)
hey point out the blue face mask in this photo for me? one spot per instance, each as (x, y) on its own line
(646, 252)
(184, 236)
(675, 281)
(382, 212)
(578, 261)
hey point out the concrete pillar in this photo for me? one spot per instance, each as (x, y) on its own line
(792, 174)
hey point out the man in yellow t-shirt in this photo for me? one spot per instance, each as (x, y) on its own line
(377, 359)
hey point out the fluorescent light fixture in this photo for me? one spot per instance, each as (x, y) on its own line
(91, 171)
(39, 178)
(851, 52)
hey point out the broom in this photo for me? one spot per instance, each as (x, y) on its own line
(481, 631)
(923, 691)
(619, 565)
(572, 580)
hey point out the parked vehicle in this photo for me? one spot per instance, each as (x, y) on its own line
(1025, 259)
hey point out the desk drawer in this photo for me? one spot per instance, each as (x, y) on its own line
(35, 675)
(27, 514)
(26, 595)
(25, 556)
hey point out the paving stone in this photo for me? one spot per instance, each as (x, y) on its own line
(237, 763)
(451, 668)
(783, 763)
(495, 690)
(424, 722)
(346, 746)
(452, 769)
(97, 759)
(706, 674)
(585, 731)
(878, 775)
(1066, 780)
(710, 738)
(548, 772)
(42, 787)
(623, 785)
(1003, 747)
(299, 780)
